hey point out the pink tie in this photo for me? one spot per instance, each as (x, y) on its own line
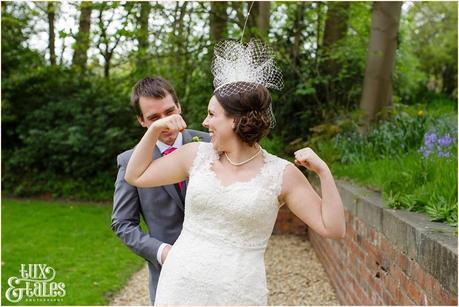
(168, 151)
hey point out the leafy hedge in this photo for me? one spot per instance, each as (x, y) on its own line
(64, 133)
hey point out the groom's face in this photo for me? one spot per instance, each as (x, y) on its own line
(156, 108)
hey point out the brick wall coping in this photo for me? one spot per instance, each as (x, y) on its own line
(432, 245)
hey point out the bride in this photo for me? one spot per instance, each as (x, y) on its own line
(235, 187)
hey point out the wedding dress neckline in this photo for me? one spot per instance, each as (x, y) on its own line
(236, 183)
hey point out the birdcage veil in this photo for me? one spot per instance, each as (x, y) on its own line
(239, 68)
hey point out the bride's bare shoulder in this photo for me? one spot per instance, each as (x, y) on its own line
(191, 148)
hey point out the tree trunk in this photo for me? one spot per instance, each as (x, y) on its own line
(336, 24)
(107, 67)
(107, 42)
(178, 28)
(238, 7)
(80, 55)
(258, 21)
(250, 29)
(449, 78)
(142, 34)
(377, 85)
(318, 28)
(218, 20)
(51, 36)
(297, 29)
(264, 12)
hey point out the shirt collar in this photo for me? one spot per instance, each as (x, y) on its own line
(177, 144)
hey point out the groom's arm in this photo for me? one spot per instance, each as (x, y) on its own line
(126, 218)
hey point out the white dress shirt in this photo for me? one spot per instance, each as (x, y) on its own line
(163, 147)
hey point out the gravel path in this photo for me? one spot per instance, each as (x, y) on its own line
(295, 276)
(135, 293)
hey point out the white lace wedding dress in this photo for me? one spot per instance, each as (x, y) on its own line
(218, 259)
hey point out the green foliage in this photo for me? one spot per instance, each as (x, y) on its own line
(56, 186)
(70, 129)
(62, 128)
(433, 35)
(75, 240)
(397, 136)
(16, 57)
(389, 159)
(274, 145)
(410, 182)
(409, 80)
(442, 210)
(308, 98)
(351, 55)
(439, 105)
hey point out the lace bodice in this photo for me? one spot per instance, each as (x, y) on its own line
(218, 258)
(240, 214)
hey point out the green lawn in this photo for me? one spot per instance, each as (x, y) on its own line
(74, 239)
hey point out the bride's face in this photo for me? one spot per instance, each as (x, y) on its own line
(220, 126)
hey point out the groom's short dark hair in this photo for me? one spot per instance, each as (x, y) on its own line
(156, 87)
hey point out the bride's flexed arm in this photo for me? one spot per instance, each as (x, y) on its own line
(143, 171)
(324, 215)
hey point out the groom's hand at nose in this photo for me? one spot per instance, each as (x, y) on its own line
(173, 122)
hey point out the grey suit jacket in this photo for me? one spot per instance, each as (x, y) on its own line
(162, 209)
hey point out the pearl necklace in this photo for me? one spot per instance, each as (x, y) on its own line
(246, 161)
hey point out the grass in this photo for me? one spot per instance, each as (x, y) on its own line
(75, 240)
(410, 182)
(439, 106)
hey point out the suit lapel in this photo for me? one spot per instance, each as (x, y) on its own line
(170, 189)
(186, 136)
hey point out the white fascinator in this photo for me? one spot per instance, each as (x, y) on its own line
(239, 67)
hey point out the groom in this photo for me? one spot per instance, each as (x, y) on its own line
(162, 208)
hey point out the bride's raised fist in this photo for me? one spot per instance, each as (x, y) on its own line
(173, 122)
(309, 159)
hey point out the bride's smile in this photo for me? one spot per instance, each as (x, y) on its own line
(219, 125)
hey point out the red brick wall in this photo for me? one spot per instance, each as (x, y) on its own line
(288, 223)
(365, 269)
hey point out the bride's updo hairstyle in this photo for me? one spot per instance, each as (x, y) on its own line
(250, 110)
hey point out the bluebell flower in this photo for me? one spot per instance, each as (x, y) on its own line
(433, 143)
(430, 139)
(442, 154)
(445, 140)
(425, 151)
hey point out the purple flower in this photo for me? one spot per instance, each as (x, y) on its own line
(442, 154)
(433, 143)
(425, 151)
(430, 139)
(445, 140)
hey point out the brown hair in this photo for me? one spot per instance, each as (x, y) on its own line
(156, 87)
(250, 111)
